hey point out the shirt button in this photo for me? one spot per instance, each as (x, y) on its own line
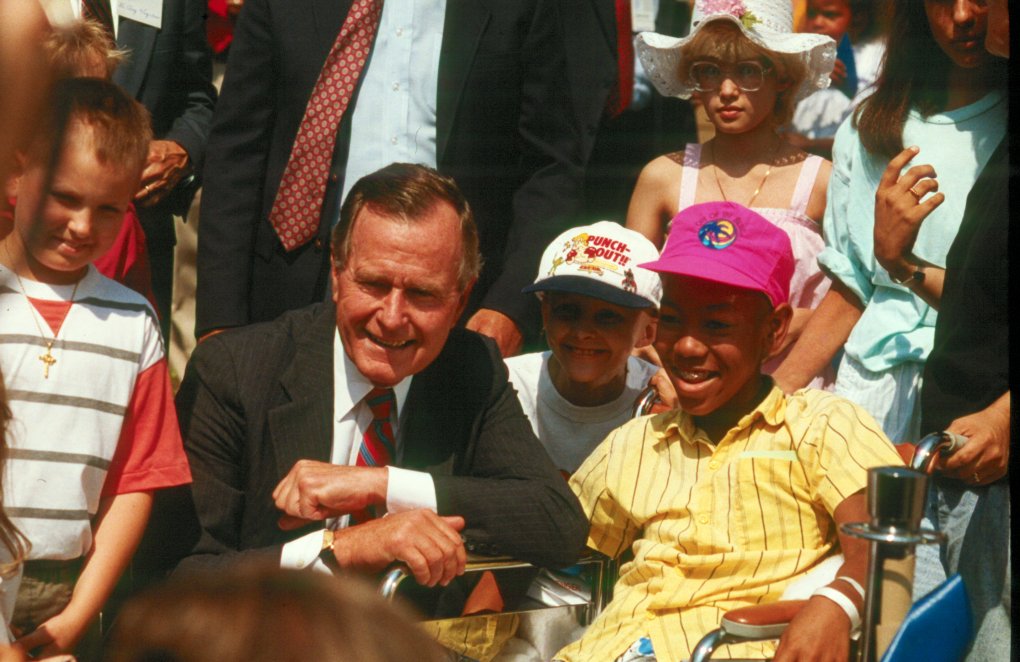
(393, 140)
(399, 32)
(332, 177)
(396, 87)
(318, 244)
(703, 519)
(713, 465)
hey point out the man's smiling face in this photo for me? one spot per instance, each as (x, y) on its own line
(397, 295)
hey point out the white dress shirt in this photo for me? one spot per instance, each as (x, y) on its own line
(394, 118)
(405, 489)
(62, 12)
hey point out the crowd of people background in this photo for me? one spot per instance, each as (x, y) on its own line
(289, 292)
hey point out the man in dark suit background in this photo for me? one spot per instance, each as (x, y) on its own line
(624, 123)
(496, 100)
(275, 415)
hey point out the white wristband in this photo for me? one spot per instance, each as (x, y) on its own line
(844, 603)
(853, 582)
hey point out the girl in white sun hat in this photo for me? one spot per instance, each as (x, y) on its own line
(745, 64)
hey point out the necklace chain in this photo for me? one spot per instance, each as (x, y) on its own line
(47, 357)
(757, 190)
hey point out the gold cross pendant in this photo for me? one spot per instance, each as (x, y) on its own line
(48, 360)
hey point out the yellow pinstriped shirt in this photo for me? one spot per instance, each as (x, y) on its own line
(717, 527)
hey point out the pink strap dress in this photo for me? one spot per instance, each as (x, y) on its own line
(809, 283)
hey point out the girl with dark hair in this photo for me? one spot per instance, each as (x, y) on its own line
(941, 94)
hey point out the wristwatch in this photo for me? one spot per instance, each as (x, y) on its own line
(916, 277)
(326, 551)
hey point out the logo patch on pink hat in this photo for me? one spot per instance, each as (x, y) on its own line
(717, 234)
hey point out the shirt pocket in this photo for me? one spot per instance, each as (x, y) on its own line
(770, 501)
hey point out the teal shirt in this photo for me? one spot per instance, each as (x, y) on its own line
(897, 326)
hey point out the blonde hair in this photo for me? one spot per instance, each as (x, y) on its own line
(724, 41)
(261, 613)
(74, 49)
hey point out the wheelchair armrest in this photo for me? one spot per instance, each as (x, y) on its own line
(477, 563)
(758, 622)
(755, 623)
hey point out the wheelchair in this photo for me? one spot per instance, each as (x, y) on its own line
(936, 628)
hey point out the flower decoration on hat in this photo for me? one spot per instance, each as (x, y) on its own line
(734, 8)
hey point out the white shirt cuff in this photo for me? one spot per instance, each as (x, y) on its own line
(409, 490)
(304, 553)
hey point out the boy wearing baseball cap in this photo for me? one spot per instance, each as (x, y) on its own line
(727, 499)
(598, 305)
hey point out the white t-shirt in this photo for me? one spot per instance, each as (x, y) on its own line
(569, 432)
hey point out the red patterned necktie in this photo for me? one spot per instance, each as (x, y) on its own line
(377, 445)
(98, 11)
(620, 96)
(298, 203)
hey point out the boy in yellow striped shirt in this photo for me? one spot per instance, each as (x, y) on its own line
(726, 500)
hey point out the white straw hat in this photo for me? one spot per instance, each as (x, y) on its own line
(768, 23)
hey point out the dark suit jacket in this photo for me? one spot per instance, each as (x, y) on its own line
(169, 71)
(505, 133)
(256, 400)
(615, 149)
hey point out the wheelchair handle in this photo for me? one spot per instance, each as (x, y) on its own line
(645, 401)
(936, 444)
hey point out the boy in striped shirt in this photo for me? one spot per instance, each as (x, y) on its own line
(729, 498)
(94, 430)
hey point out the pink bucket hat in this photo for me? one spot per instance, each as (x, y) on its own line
(727, 243)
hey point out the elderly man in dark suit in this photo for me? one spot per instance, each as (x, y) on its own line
(283, 433)
(486, 102)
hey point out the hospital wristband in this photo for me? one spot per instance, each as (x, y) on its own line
(844, 603)
(853, 582)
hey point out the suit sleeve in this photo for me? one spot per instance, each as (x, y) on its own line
(212, 419)
(194, 73)
(547, 200)
(234, 174)
(512, 498)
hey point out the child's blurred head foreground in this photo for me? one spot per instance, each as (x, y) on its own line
(726, 279)
(597, 306)
(76, 180)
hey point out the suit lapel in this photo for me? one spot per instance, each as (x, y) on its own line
(606, 12)
(138, 39)
(328, 16)
(465, 22)
(302, 427)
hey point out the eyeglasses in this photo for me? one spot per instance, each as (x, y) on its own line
(749, 75)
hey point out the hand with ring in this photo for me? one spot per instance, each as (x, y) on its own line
(900, 210)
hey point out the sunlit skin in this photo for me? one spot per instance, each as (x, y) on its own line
(831, 18)
(735, 111)
(712, 339)
(591, 341)
(60, 229)
(398, 296)
(958, 27)
(997, 38)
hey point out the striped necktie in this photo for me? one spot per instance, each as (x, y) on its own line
(377, 444)
(298, 203)
(98, 11)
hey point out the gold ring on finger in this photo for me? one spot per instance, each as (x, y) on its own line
(915, 193)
